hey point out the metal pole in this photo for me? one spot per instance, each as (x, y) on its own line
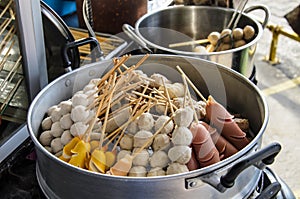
(31, 36)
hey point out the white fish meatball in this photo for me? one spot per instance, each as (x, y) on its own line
(95, 81)
(79, 113)
(141, 159)
(66, 121)
(66, 137)
(137, 171)
(45, 138)
(126, 142)
(78, 129)
(48, 148)
(157, 171)
(56, 114)
(160, 109)
(90, 87)
(184, 116)
(46, 123)
(80, 99)
(91, 96)
(176, 90)
(161, 120)
(95, 136)
(56, 145)
(56, 129)
(133, 127)
(161, 142)
(159, 159)
(65, 107)
(146, 121)
(176, 168)
(158, 80)
(182, 136)
(50, 109)
(141, 137)
(122, 154)
(180, 154)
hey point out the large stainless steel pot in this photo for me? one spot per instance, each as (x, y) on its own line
(222, 180)
(157, 30)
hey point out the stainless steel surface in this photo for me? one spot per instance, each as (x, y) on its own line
(29, 18)
(65, 180)
(178, 24)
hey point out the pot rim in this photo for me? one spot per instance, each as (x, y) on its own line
(193, 7)
(199, 172)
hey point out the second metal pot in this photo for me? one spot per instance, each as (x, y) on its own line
(159, 29)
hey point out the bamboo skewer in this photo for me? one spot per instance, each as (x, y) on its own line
(153, 136)
(191, 84)
(187, 43)
(107, 111)
(190, 98)
(168, 97)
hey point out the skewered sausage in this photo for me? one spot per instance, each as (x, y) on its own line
(205, 150)
(193, 164)
(223, 121)
(225, 148)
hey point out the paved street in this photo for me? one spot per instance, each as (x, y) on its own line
(280, 84)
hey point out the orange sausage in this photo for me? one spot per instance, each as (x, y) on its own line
(225, 148)
(203, 146)
(223, 121)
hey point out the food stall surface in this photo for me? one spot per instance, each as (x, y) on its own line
(280, 85)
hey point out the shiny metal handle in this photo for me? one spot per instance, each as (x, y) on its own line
(260, 7)
(90, 40)
(270, 192)
(129, 31)
(259, 159)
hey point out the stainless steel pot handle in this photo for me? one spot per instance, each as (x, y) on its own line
(129, 31)
(259, 159)
(260, 7)
(90, 40)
